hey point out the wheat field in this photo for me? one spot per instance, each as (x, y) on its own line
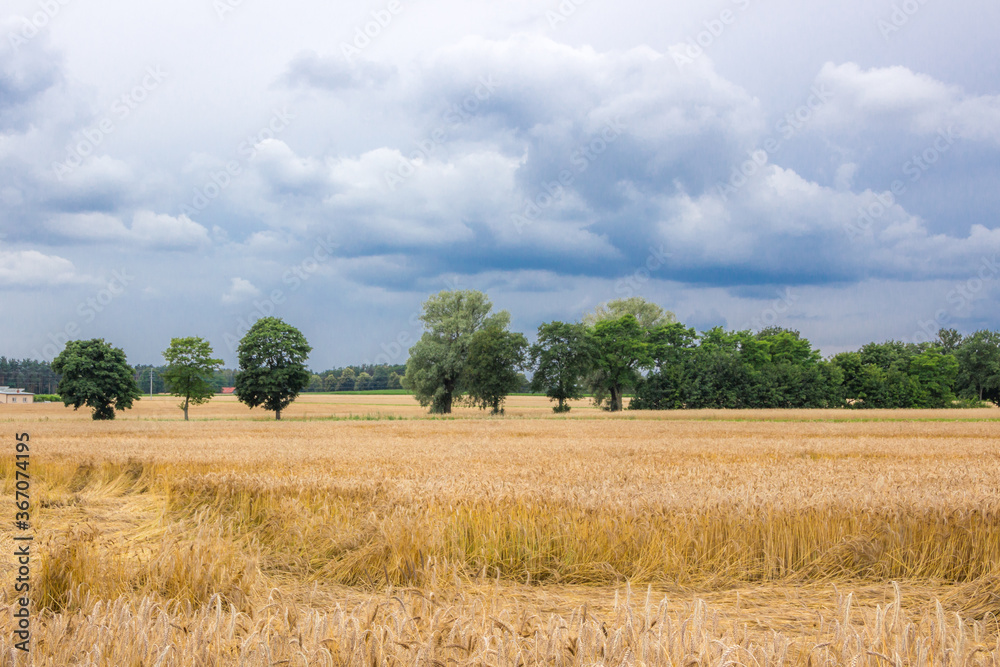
(360, 531)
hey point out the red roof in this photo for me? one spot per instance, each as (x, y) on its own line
(228, 390)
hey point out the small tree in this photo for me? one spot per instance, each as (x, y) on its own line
(97, 375)
(394, 381)
(272, 358)
(491, 373)
(190, 369)
(347, 380)
(363, 383)
(561, 357)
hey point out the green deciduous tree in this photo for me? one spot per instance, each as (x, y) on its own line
(979, 365)
(346, 380)
(561, 358)
(646, 313)
(949, 340)
(620, 351)
(363, 383)
(272, 358)
(394, 381)
(437, 361)
(491, 372)
(190, 370)
(671, 349)
(935, 373)
(97, 375)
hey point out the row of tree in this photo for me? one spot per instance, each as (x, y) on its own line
(350, 378)
(632, 346)
(368, 377)
(271, 374)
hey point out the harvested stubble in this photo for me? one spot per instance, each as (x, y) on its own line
(507, 542)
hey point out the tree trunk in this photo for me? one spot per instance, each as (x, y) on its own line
(185, 408)
(616, 399)
(277, 415)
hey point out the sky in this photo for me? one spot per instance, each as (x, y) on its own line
(181, 169)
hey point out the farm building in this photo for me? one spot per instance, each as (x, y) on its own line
(8, 395)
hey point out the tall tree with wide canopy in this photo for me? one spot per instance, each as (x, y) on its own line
(438, 360)
(561, 358)
(620, 351)
(672, 346)
(190, 369)
(272, 358)
(97, 375)
(491, 373)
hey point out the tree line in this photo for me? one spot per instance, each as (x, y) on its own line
(628, 347)
(632, 346)
(365, 377)
(36, 377)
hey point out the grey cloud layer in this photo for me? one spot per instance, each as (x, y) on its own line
(516, 161)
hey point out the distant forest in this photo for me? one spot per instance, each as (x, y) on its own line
(37, 377)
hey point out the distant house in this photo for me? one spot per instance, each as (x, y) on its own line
(8, 395)
(228, 390)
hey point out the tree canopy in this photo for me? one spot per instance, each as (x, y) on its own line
(561, 357)
(272, 371)
(491, 373)
(620, 350)
(646, 313)
(437, 362)
(190, 370)
(97, 375)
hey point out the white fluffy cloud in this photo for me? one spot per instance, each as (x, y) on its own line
(30, 268)
(148, 230)
(901, 97)
(240, 290)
